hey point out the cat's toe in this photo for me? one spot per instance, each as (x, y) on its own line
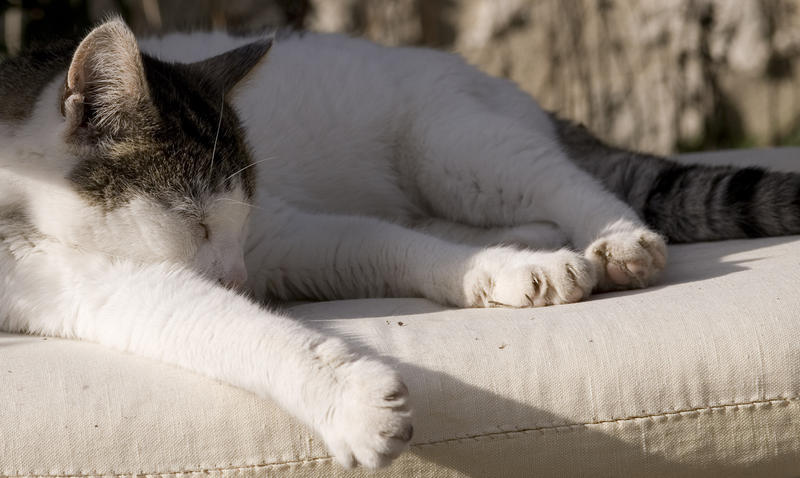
(371, 423)
(534, 279)
(626, 260)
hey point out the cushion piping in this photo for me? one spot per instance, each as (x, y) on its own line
(689, 412)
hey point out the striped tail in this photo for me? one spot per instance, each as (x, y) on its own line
(689, 203)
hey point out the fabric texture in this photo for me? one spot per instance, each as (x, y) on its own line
(696, 376)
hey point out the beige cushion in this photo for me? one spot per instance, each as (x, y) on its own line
(699, 375)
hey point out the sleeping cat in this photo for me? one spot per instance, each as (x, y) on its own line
(148, 187)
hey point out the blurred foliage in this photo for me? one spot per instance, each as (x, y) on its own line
(30, 22)
(508, 38)
(791, 139)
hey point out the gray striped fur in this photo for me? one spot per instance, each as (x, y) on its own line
(689, 203)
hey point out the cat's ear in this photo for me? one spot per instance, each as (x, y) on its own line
(105, 90)
(224, 71)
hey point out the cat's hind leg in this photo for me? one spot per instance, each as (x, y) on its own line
(485, 169)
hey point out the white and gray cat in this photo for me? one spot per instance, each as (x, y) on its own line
(145, 183)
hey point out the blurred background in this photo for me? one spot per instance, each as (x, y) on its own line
(655, 75)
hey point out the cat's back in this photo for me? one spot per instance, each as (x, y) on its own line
(332, 117)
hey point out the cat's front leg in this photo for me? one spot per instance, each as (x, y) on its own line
(297, 255)
(358, 404)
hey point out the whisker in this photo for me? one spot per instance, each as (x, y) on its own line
(238, 202)
(248, 166)
(216, 136)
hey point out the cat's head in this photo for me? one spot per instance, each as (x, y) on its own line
(157, 164)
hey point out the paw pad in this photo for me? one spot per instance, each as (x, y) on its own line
(627, 260)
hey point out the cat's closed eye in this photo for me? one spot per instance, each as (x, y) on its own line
(206, 231)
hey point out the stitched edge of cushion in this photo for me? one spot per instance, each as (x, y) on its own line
(689, 412)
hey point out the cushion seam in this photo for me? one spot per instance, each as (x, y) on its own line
(691, 412)
(577, 426)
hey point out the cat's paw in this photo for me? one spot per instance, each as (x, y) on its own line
(370, 421)
(506, 277)
(626, 260)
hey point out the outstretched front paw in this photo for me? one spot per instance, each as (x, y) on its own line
(627, 260)
(506, 277)
(370, 423)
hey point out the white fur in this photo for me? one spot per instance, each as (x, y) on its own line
(171, 314)
(418, 138)
(400, 172)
